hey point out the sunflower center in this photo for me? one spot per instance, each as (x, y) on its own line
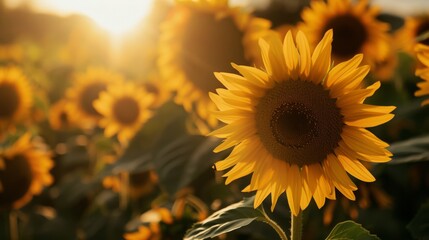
(293, 125)
(298, 122)
(64, 119)
(9, 100)
(89, 95)
(422, 28)
(151, 88)
(126, 110)
(15, 178)
(209, 45)
(349, 35)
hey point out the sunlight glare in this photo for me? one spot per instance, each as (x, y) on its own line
(116, 16)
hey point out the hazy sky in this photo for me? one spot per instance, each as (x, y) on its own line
(119, 15)
(403, 7)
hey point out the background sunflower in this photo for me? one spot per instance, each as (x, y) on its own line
(125, 108)
(414, 27)
(24, 172)
(160, 92)
(15, 96)
(355, 27)
(137, 184)
(60, 116)
(85, 90)
(200, 37)
(422, 52)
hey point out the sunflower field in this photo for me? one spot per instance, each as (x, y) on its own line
(216, 119)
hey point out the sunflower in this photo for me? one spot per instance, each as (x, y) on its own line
(385, 70)
(422, 52)
(86, 89)
(152, 229)
(151, 232)
(24, 171)
(299, 126)
(124, 109)
(11, 52)
(283, 29)
(355, 27)
(60, 116)
(414, 27)
(15, 96)
(160, 92)
(368, 194)
(163, 223)
(140, 183)
(200, 37)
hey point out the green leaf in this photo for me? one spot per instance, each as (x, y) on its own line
(164, 127)
(349, 230)
(412, 150)
(183, 160)
(419, 226)
(74, 189)
(226, 220)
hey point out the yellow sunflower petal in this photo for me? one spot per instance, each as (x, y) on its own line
(339, 177)
(354, 167)
(357, 96)
(364, 156)
(253, 75)
(304, 53)
(321, 58)
(260, 196)
(294, 189)
(271, 50)
(239, 170)
(291, 54)
(342, 71)
(362, 143)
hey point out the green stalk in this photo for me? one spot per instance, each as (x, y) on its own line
(296, 226)
(124, 192)
(13, 225)
(266, 219)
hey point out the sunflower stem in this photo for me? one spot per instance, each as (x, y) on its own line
(266, 219)
(13, 225)
(422, 37)
(296, 226)
(125, 181)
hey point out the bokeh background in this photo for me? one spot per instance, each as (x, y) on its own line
(103, 187)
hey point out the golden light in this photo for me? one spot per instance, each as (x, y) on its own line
(116, 16)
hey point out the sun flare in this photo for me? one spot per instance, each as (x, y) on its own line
(116, 16)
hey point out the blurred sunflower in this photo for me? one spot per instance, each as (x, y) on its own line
(422, 52)
(200, 37)
(60, 116)
(368, 194)
(299, 126)
(86, 89)
(284, 28)
(355, 27)
(413, 27)
(124, 109)
(152, 229)
(385, 70)
(160, 92)
(11, 52)
(24, 171)
(15, 96)
(161, 223)
(139, 183)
